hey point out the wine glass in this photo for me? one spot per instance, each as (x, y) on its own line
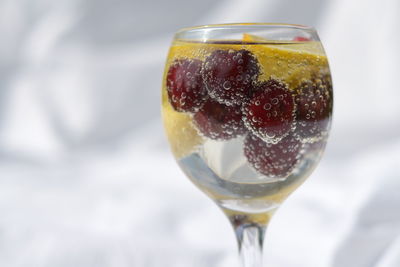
(247, 111)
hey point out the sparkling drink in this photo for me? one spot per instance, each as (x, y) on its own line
(247, 118)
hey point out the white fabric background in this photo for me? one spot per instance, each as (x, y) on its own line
(86, 178)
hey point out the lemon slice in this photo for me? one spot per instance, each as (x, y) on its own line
(183, 137)
(292, 62)
(198, 50)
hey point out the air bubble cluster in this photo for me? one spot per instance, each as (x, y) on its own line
(218, 121)
(226, 99)
(228, 75)
(270, 113)
(185, 86)
(314, 108)
(273, 160)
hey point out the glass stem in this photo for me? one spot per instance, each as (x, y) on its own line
(250, 238)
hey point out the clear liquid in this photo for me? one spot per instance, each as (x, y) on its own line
(221, 170)
(220, 167)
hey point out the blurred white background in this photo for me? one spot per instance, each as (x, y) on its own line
(86, 177)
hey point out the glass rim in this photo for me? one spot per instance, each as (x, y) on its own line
(246, 25)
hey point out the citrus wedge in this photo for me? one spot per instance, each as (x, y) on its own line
(182, 135)
(287, 61)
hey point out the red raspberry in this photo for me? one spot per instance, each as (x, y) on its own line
(218, 121)
(301, 39)
(229, 75)
(314, 108)
(270, 112)
(273, 160)
(186, 91)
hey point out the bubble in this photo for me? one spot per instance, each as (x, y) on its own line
(267, 106)
(271, 136)
(275, 101)
(227, 85)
